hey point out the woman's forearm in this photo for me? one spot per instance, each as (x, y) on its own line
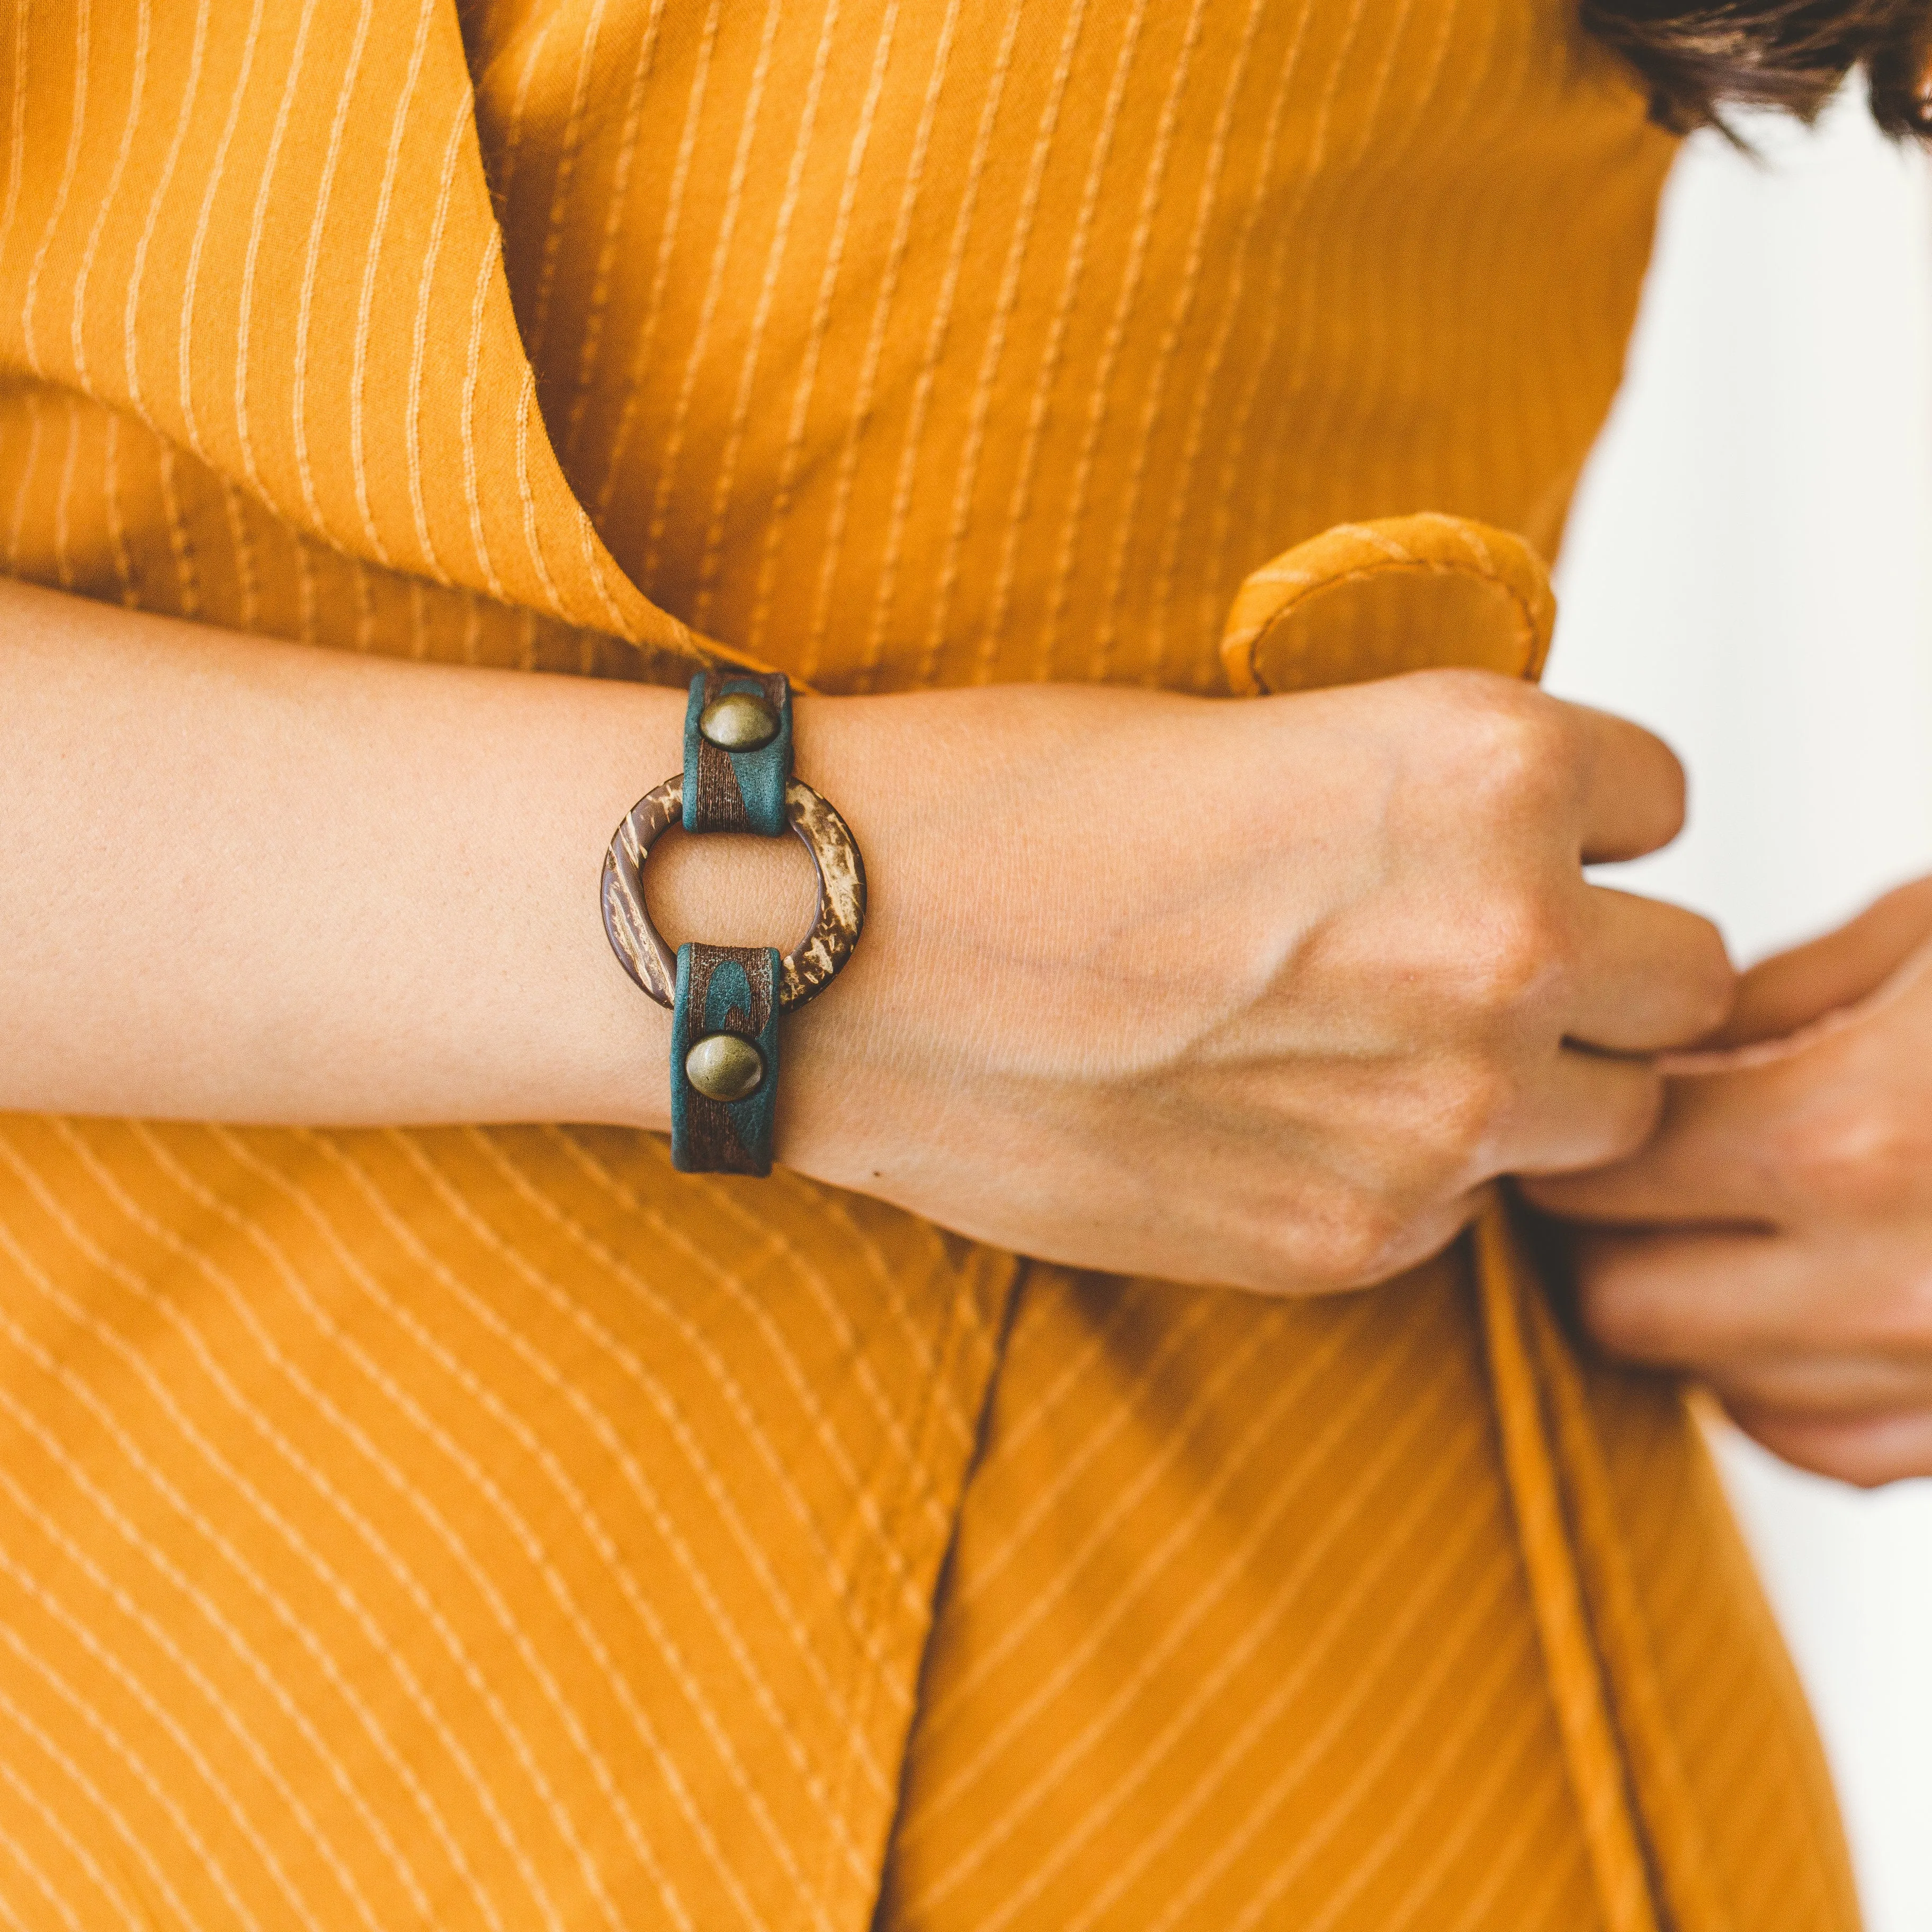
(1260, 993)
(249, 881)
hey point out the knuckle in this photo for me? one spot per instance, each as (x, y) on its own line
(1473, 1100)
(1515, 948)
(1510, 747)
(1352, 1243)
(1857, 1155)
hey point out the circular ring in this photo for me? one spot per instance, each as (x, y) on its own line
(810, 966)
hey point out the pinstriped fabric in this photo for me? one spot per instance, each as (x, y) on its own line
(210, 263)
(1174, 1684)
(1029, 354)
(1250, 1621)
(404, 1539)
(492, 1529)
(1730, 1763)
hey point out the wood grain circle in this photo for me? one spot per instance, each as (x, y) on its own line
(810, 966)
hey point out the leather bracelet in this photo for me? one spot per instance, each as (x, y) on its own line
(726, 1000)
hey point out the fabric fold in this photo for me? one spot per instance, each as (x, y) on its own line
(289, 224)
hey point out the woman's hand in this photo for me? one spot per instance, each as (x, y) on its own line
(1775, 1239)
(1259, 993)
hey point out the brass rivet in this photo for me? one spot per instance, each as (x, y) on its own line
(738, 721)
(724, 1066)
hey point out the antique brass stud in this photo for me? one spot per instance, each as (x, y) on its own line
(724, 1066)
(739, 721)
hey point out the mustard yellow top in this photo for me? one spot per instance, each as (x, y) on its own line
(493, 1529)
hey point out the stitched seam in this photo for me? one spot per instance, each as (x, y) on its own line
(865, 1683)
(1505, 1324)
(1410, 566)
(966, 1322)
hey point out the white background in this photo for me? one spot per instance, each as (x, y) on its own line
(1750, 572)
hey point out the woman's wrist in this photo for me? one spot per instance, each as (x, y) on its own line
(253, 882)
(729, 899)
(984, 816)
(1253, 992)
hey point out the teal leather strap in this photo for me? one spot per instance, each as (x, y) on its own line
(737, 752)
(724, 1025)
(724, 1028)
(725, 1001)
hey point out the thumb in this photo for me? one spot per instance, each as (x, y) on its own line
(1792, 990)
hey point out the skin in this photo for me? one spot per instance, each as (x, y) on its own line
(1263, 993)
(1775, 1238)
(1267, 993)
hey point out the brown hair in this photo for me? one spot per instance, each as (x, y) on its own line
(1699, 57)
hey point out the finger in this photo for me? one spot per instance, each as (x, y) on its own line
(1868, 1451)
(1652, 976)
(1580, 1111)
(1824, 1386)
(1705, 1164)
(1688, 1301)
(1701, 1301)
(1632, 786)
(1793, 989)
